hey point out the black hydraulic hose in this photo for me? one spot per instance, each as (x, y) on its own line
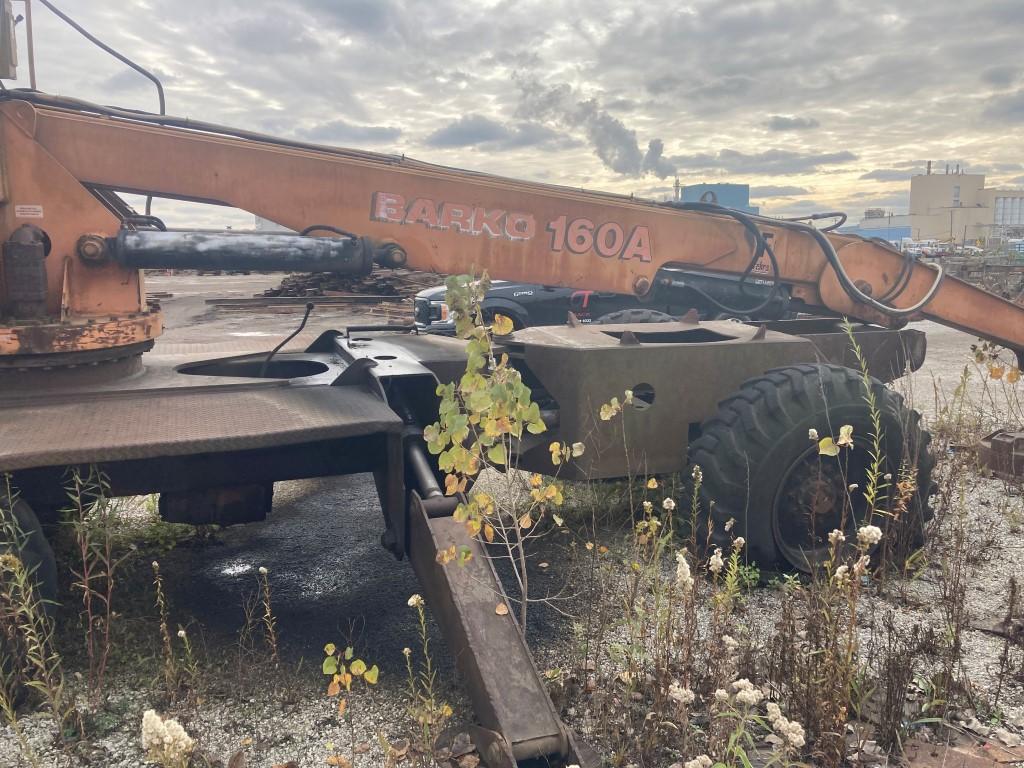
(117, 55)
(838, 215)
(853, 291)
(120, 57)
(328, 228)
(296, 332)
(761, 247)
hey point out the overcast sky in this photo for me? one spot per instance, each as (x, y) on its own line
(817, 104)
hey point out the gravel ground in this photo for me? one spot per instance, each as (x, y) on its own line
(333, 583)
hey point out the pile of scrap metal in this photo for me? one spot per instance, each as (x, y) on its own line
(1000, 275)
(380, 282)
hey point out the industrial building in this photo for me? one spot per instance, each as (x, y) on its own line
(730, 195)
(952, 206)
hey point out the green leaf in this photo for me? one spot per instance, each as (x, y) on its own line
(536, 427)
(330, 666)
(349, 653)
(496, 454)
(371, 675)
(330, 648)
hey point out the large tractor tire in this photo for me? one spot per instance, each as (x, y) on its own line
(761, 468)
(32, 548)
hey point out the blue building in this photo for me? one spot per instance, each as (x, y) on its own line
(730, 195)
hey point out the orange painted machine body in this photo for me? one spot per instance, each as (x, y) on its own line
(53, 161)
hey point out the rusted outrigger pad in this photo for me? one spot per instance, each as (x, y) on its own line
(509, 697)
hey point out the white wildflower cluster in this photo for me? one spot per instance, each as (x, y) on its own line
(842, 575)
(165, 741)
(648, 507)
(730, 643)
(669, 504)
(721, 696)
(812, 434)
(416, 601)
(680, 695)
(263, 570)
(684, 579)
(716, 563)
(738, 543)
(703, 761)
(746, 693)
(698, 475)
(789, 731)
(869, 535)
(836, 538)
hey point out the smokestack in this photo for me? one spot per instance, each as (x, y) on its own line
(947, 169)
(929, 167)
(958, 169)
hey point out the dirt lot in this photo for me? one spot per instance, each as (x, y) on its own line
(332, 582)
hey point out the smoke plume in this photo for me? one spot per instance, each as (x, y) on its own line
(615, 144)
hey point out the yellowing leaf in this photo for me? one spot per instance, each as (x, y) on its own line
(502, 325)
(371, 675)
(556, 453)
(1013, 376)
(357, 667)
(329, 649)
(996, 372)
(501, 609)
(536, 480)
(489, 532)
(577, 450)
(558, 520)
(827, 447)
(333, 689)
(652, 483)
(525, 521)
(342, 706)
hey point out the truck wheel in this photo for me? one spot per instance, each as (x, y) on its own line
(761, 468)
(33, 549)
(635, 316)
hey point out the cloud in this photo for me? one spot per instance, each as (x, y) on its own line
(891, 174)
(343, 132)
(1001, 76)
(1008, 108)
(467, 131)
(477, 130)
(770, 162)
(778, 191)
(786, 123)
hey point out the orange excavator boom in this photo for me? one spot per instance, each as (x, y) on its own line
(61, 157)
